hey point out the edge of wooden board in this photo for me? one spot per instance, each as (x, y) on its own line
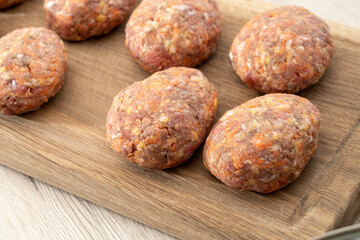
(113, 196)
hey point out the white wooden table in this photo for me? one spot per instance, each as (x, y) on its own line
(31, 209)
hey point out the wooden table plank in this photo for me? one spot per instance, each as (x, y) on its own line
(32, 208)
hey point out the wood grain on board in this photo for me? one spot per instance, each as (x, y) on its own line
(64, 142)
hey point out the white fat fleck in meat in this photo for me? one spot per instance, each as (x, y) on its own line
(267, 179)
(192, 12)
(34, 81)
(243, 127)
(28, 84)
(148, 28)
(13, 85)
(300, 48)
(164, 118)
(115, 2)
(303, 38)
(50, 4)
(169, 88)
(264, 57)
(295, 162)
(144, 47)
(20, 55)
(248, 161)
(231, 56)
(181, 7)
(6, 76)
(228, 114)
(288, 44)
(116, 135)
(275, 148)
(206, 16)
(241, 46)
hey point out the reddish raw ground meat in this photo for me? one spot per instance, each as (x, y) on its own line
(77, 20)
(282, 50)
(263, 144)
(173, 33)
(32, 69)
(159, 122)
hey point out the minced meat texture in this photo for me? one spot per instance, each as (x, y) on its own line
(77, 20)
(32, 69)
(159, 122)
(263, 144)
(162, 34)
(282, 50)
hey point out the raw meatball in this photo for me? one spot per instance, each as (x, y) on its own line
(162, 34)
(9, 3)
(77, 20)
(263, 144)
(32, 69)
(282, 50)
(159, 122)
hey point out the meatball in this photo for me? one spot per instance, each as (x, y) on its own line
(160, 121)
(77, 20)
(282, 50)
(162, 34)
(263, 144)
(9, 3)
(32, 69)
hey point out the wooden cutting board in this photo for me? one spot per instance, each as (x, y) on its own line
(64, 143)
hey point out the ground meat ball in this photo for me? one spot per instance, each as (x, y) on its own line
(162, 34)
(9, 3)
(159, 122)
(32, 69)
(77, 20)
(263, 144)
(282, 50)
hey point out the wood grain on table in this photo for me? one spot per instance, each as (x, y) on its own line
(33, 208)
